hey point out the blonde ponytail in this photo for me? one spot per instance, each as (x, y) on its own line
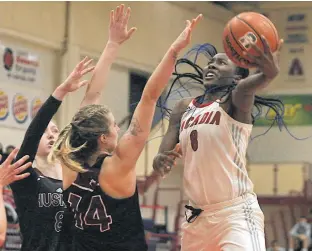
(62, 151)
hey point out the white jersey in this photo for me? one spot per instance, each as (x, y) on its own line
(214, 148)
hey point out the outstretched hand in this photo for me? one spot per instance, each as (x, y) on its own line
(163, 162)
(185, 37)
(9, 172)
(73, 83)
(118, 25)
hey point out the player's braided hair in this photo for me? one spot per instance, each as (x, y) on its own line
(197, 78)
(77, 142)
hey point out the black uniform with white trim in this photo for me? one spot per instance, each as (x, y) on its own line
(102, 222)
(39, 199)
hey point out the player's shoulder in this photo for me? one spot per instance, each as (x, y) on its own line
(182, 104)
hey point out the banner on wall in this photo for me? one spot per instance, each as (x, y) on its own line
(18, 108)
(297, 28)
(297, 38)
(296, 67)
(19, 66)
(298, 111)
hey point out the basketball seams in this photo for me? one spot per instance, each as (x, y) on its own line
(273, 28)
(234, 38)
(230, 32)
(245, 22)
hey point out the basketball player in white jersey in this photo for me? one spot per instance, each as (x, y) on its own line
(213, 131)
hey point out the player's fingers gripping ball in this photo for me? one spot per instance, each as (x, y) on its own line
(246, 29)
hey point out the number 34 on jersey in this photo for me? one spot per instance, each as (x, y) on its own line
(95, 216)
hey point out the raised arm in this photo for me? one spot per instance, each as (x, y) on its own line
(169, 150)
(268, 68)
(40, 122)
(8, 174)
(118, 33)
(130, 146)
(171, 137)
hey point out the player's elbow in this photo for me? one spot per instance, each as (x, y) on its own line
(2, 239)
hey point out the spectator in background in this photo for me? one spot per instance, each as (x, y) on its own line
(275, 247)
(5, 154)
(9, 149)
(302, 232)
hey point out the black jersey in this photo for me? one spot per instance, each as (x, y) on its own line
(38, 199)
(102, 222)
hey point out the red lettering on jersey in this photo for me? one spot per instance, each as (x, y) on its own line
(216, 118)
(203, 118)
(196, 120)
(187, 124)
(182, 127)
(208, 117)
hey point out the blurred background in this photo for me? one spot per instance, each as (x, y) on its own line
(41, 42)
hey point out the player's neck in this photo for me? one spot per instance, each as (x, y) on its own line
(92, 160)
(213, 97)
(52, 170)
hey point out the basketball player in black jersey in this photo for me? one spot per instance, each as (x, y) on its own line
(39, 197)
(99, 176)
(8, 174)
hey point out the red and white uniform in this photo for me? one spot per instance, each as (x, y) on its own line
(214, 149)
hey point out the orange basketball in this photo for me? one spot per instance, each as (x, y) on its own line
(246, 27)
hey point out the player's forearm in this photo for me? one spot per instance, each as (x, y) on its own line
(252, 84)
(150, 180)
(59, 93)
(243, 96)
(171, 137)
(169, 141)
(143, 115)
(243, 101)
(100, 74)
(160, 77)
(3, 219)
(133, 141)
(37, 127)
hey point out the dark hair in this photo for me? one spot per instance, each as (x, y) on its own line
(197, 78)
(78, 140)
(244, 73)
(10, 147)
